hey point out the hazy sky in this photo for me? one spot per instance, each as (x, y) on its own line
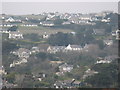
(72, 7)
(60, 0)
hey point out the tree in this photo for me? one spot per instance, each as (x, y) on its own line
(107, 76)
(58, 21)
(13, 28)
(61, 39)
(8, 46)
(100, 43)
(41, 55)
(10, 77)
(19, 79)
(32, 37)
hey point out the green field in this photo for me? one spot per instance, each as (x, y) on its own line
(41, 30)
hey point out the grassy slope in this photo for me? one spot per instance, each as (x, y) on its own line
(41, 30)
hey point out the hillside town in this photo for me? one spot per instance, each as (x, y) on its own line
(59, 50)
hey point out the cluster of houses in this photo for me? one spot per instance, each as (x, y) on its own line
(76, 18)
(55, 49)
(107, 59)
(64, 68)
(67, 84)
(15, 35)
(39, 76)
(10, 21)
(89, 72)
(23, 54)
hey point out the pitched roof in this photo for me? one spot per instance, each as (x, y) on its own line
(75, 46)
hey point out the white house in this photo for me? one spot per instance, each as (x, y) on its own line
(73, 47)
(103, 61)
(47, 23)
(46, 36)
(10, 19)
(18, 62)
(15, 35)
(108, 42)
(118, 34)
(2, 70)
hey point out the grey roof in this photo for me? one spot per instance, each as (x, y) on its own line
(15, 32)
(75, 46)
(47, 22)
(59, 47)
(20, 50)
(109, 58)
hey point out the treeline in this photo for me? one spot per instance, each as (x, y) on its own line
(107, 76)
(63, 39)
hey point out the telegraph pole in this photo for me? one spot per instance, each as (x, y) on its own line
(118, 37)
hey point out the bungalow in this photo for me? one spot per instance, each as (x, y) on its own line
(15, 35)
(47, 23)
(85, 17)
(4, 31)
(103, 61)
(56, 62)
(105, 20)
(107, 59)
(29, 25)
(66, 23)
(73, 47)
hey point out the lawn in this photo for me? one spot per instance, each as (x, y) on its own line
(42, 30)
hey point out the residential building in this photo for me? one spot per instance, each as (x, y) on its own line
(65, 68)
(67, 84)
(22, 53)
(15, 35)
(108, 42)
(47, 23)
(73, 47)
